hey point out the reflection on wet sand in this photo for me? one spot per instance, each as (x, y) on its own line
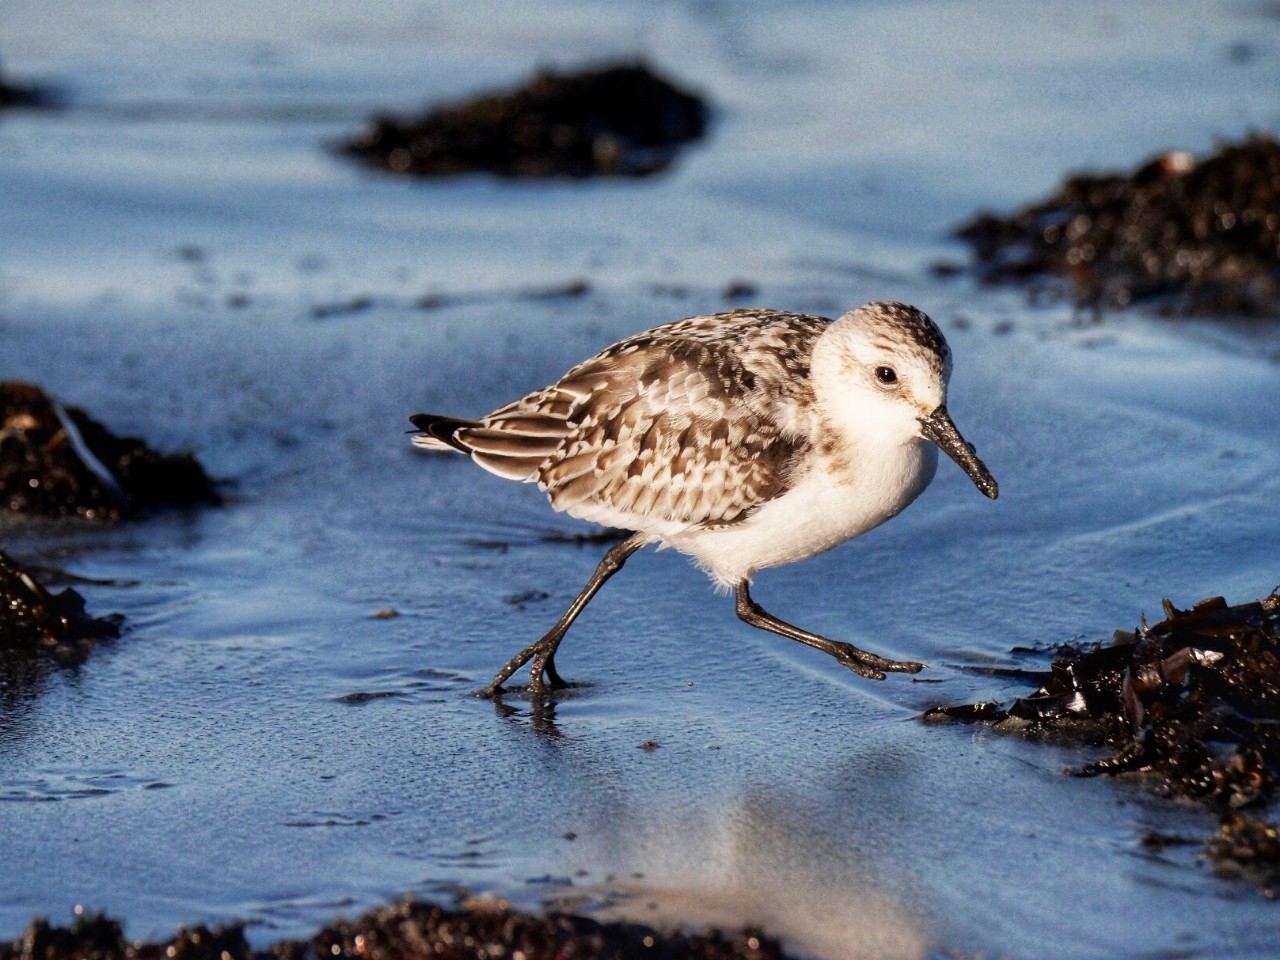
(759, 863)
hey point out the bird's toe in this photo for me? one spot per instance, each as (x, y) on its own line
(904, 666)
(870, 665)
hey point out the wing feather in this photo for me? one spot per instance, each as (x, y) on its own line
(500, 443)
(696, 422)
(509, 468)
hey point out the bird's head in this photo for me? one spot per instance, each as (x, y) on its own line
(885, 366)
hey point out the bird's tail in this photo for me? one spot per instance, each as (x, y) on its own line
(437, 432)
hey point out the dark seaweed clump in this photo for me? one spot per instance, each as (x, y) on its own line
(617, 120)
(56, 461)
(12, 95)
(16, 95)
(36, 623)
(1192, 702)
(1197, 235)
(405, 931)
(1248, 847)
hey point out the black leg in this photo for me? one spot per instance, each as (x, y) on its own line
(543, 651)
(859, 661)
(554, 680)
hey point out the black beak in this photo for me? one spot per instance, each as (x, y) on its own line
(938, 427)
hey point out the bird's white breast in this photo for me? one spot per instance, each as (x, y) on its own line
(835, 497)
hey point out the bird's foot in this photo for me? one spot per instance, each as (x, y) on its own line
(871, 666)
(543, 675)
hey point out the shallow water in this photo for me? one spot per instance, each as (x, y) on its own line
(260, 746)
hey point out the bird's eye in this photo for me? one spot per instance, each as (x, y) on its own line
(887, 376)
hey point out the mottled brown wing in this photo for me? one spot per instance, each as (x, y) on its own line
(697, 421)
(671, 463)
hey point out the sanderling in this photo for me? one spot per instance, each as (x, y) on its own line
(746, 440)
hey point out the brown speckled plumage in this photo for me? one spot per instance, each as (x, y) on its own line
(695, 422)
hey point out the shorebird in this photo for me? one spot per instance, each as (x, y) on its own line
(745, 440)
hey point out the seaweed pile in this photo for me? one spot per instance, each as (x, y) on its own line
(15, 95)
(36, 623)
(1195, 235)
(477, 930)
(619, 120)
(1192, 703)
(56, 461)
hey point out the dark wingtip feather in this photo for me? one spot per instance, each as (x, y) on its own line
(442, 428)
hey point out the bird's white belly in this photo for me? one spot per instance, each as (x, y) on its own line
(827, 506)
